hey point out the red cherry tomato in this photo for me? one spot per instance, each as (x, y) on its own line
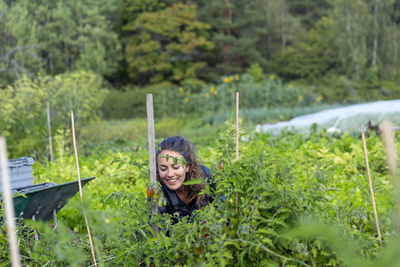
(150, 191)
(205, 232)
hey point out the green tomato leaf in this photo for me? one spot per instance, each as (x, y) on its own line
(193, 181)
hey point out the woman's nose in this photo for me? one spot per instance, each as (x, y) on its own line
(169, 173)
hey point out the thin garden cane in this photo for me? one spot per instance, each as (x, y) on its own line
(9, 206)
(80, 188)
(49, 127)
(371, 190)
(237, 143)
(237, 126)
(389, 146)
(152, 156)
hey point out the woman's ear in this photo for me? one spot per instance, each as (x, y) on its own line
(187, 169)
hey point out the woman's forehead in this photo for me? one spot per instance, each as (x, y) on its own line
(170, 153)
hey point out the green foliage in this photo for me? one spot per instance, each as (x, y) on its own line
(67, 36)
(351, 35)
(262, 98)
(246, 32)
(313, 57)
(6, 44)
(166, 44)
(280, 181)
(309, 11)
(256, 72)
(130, 102)
(23, 117)
(340, 89)
(146, 42)
(216, 103)
(133, 8)
(150, 42)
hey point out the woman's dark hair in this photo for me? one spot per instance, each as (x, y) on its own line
(185, 148)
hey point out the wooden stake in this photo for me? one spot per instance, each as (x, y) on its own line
(389, 146)
(8, 206)
(49, 126)
(237, 126)
(371, 190)
(237, 143)
(80, 189)
(152, 155)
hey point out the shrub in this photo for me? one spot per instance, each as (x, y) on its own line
(24, 120)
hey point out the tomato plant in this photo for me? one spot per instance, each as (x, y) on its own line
(281, 182)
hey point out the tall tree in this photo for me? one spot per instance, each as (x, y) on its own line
(247, 32)
(358, 39)
(384, 38)
(368, 37)
(65, 35)
(130, 10)
(5, 40)
(351, 17)
(166, 45)
(10, 67)
(313, 56)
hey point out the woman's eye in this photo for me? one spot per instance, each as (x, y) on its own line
(163, 169)
(176, 167)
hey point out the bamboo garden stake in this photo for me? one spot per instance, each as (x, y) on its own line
(237, 126)
(389, 146)
(237, 142)
(8, 206)
(371, 190)
(49, 126)
(152, 155)
(80, 188)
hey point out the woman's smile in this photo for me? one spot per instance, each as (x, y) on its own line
(171, 181)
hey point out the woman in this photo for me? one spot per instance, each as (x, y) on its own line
(176, 164)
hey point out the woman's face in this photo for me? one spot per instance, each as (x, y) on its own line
(172, 171)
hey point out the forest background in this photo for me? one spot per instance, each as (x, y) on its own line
(100, 58)
(286, 58)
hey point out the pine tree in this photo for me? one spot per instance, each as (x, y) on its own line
(166, 45)
(247, 32)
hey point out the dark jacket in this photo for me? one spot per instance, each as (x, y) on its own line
(176, 206)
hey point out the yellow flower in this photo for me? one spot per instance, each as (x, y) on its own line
(271, 77)
(181, 89)
(236, 77)
(186, 100)
(212, 89)
(228, 79)
(215, 93)
(207, 95)
(300, 98)
(319, 98)
(289, 85)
